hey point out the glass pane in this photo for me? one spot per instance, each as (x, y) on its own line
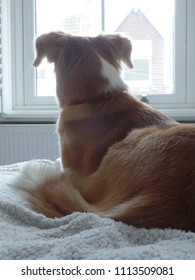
(148, 23)
(150, 26)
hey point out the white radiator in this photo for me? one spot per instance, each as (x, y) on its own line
(22, 142)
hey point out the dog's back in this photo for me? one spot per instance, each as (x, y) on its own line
(122, 159)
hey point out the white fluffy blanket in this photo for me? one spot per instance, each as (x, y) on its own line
(25, 234)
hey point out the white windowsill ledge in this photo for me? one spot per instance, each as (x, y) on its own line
(52, 115)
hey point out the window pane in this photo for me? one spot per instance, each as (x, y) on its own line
(148, 23)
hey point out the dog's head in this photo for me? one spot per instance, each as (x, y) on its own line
(85, 66)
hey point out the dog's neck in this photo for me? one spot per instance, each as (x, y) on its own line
(102, 96)
(85, 100)
(114, 83)
(78, 102)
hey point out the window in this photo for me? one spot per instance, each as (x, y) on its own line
(162, 34)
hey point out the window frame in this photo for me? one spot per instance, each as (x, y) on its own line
(19, 101)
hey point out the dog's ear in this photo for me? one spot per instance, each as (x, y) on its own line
(49, 45)
(123, 47)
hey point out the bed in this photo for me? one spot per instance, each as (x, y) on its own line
(25, 234)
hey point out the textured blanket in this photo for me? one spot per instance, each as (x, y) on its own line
(25, 234)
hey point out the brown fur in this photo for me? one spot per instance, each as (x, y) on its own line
(122, 158)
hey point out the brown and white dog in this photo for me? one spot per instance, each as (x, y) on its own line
(121, 158)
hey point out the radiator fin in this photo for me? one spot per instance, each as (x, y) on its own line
(25, 142)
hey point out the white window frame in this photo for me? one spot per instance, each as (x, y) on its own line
(19, 101)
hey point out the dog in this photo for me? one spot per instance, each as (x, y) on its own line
(121, 158)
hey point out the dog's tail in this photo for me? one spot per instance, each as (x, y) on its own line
(50, 190)
(55, 193)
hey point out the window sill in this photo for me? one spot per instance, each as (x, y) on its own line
(181, 115)
(51, 116)
(35, 116)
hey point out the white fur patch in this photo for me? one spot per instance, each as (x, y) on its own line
(33, 174)
(112, 75)
(135, 202)
(64, 140)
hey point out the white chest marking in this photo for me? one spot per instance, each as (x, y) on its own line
(112, 75)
